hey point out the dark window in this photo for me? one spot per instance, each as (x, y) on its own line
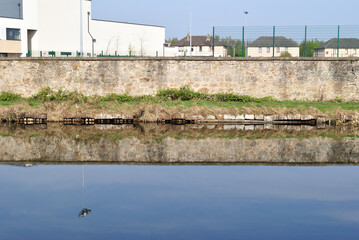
(12, 34)
(200, 48)
(3, 54)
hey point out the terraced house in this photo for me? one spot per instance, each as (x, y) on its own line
(263, 47)
(67, 28)
(348, 47)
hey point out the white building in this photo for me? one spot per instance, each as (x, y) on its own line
(263, 47)
(64, 27)
(348, 47)
(202, 46)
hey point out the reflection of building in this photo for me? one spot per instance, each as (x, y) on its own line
(263, 47)
(202, 46)
(348, 47)
(60, 28)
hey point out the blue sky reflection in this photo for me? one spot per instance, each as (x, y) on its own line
(193, 202)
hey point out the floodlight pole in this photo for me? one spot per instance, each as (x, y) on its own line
(190, 30)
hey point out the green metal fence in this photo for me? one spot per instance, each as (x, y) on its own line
(312, 41)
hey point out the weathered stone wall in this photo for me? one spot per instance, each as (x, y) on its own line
(304, 79)
(181, 151)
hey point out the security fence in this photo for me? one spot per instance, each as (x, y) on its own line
(248, 41)
(289, 41)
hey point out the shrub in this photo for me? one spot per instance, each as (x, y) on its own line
(183, 94)
(7, 97)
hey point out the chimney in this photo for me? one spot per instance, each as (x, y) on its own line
(188, 38)
(208, 38)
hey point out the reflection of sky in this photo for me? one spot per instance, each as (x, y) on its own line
(148, 202)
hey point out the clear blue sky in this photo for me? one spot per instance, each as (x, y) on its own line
(206, 14)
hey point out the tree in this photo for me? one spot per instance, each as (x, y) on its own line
(311, 44)
(172, 40)
(234, 46)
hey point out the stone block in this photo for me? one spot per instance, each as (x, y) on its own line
(249, 127)
(229, 127)
(306, 128)
(240, 117)
(211, 117)
(306, 117)
(259, 117)
(259, 127)
(282, 117)
(229, 117)
(268, 126)
(249, 117)
(240, 127)
(321, 120)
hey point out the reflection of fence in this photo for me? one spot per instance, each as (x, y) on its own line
(333, 41)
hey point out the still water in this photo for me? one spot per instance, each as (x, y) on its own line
(179, 202)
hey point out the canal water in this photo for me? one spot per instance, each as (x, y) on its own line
(43, 196)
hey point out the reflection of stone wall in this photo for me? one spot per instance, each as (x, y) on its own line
(171, 151)
(296, 78)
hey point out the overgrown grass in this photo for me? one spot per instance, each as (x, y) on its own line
(174, 97)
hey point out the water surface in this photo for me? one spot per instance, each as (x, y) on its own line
(179, 202)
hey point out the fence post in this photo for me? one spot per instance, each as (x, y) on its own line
(243, 47)
(273, 40)
(213, 41)
(305, 42)
(338, 40)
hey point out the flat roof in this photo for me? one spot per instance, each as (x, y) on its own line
(101, 20)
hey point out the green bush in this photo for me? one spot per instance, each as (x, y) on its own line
(58, 96)
(7, 97)
(183, 94)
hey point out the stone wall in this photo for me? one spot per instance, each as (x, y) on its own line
(285, 79)
(132, 150)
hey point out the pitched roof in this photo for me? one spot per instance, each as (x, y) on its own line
(268, 42)
(196, 41)
(343, 43)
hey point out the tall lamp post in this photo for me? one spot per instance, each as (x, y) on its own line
(190, 30)
(84, 212)
(246, 15)
(245, 24)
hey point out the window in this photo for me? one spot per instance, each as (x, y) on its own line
(192, 49)
(12, 34)
(3, 54)
(268, 50)
(286, 49)
(200, 48)
(278, 50)
(346, 51)
(260, 50)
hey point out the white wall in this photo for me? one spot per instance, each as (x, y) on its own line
(114, 37)
(58, 28)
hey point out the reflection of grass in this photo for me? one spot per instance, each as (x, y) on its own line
(5, 135)
(159, 133)
(6, 103)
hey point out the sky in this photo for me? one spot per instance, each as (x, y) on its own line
(175, 16)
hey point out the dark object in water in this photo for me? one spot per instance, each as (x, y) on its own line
(84, 212)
